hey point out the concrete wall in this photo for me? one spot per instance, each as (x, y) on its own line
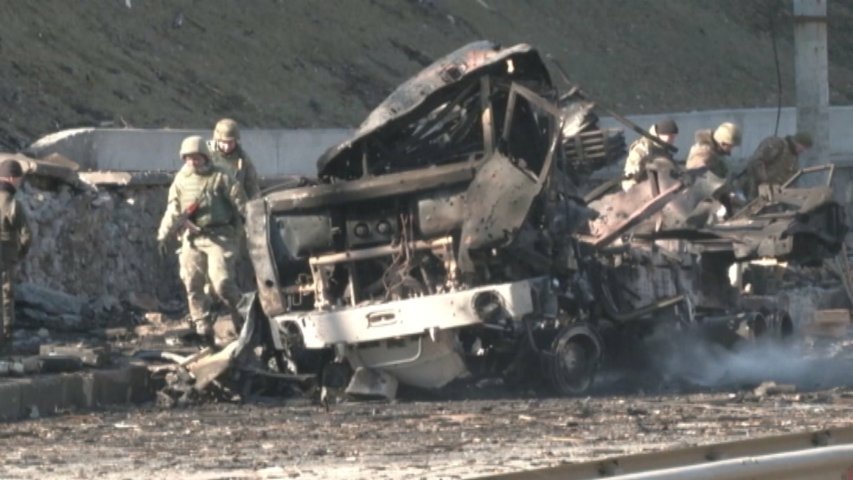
(294, 152)
(275, 152)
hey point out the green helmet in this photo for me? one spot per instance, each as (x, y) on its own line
(226, 129)
(728, 133)
(194, 144)
(804, 139)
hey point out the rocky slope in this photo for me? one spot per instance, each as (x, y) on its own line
(184, 63)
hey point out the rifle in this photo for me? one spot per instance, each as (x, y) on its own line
(184, 222)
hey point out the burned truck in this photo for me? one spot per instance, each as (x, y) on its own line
(448, 239)
(682, 262)
(437, 243)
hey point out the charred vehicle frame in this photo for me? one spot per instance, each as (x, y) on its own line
(448, 238)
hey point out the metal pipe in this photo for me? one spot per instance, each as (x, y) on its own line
(374, 252)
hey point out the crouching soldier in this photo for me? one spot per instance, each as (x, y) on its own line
(712, 146)
(775, 161)
(14, 242)
(204, 208)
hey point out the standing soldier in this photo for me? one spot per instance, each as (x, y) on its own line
(204, 207)
(229, 156)
(644, 150)
(14, 241)
(711, 147)
(775, 161)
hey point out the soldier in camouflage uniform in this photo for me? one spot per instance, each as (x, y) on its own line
(711, 147)
(14, 242)
(207, 204)
(228, 155)
(775, 161)
(644, 150)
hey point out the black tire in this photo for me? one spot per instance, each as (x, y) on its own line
(573, 360)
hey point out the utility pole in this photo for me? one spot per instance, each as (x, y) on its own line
(812, 77)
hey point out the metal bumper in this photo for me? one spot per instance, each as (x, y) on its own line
(401, 318)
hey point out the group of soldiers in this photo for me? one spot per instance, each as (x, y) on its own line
(206, 205)
(774, 161)
(205, 212)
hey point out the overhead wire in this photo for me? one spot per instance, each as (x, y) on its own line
(771, 17)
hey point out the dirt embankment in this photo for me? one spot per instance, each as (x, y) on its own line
(184, 63)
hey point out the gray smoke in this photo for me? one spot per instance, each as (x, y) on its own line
(808, 364)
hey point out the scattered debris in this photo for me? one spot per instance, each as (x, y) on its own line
(771, 388)
(40, 306)
(90, 356)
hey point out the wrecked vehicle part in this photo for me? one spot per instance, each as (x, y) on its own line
(448, 239)
(436, 116)
(684, 251)
(799, 225)
(439, 245)
(247, 365)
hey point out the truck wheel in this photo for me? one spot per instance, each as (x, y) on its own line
(573, 360)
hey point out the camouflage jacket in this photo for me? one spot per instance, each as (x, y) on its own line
(221, 201)
(640, 153)
(774, 161)
(238, 165)
(706, 153)
(15, 234)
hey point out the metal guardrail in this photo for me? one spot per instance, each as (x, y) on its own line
(826, 454)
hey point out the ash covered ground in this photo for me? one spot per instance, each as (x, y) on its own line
(467, 432)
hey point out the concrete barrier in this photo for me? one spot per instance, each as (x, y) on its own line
(294, 152)
(274, 152)
(44, 395)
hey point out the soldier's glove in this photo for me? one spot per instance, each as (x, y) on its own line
(163, 248)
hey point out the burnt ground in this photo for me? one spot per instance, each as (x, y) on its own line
(492, 431)
(407, 439)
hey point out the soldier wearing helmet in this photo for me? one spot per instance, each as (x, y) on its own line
(712, 146)
(775, 161)
(644, 150)
(15, 239)
(228, 154)
(204, 209)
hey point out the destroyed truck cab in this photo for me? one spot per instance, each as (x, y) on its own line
(668, 257)
(437, 244)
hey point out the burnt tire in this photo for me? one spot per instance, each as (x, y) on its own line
(573, 360)
(781, 324)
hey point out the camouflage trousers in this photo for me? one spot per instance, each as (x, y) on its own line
(203, 258)
(244, 272)
(7, 302)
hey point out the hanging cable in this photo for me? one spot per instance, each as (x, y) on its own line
(778, 72)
